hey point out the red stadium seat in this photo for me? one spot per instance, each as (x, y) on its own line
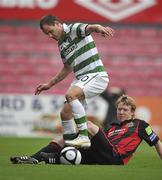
(133, 58)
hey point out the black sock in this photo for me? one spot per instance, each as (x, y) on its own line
(50, 148)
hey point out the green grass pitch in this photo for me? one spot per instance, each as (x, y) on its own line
(145, 165)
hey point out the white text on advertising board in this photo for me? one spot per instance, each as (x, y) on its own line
(43, 4)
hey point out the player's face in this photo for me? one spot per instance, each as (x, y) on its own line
(54, 31)
(124, 112)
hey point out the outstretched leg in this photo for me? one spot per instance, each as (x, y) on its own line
(49, 154)
(73, 97)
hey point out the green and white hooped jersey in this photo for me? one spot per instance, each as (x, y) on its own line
(79, 50)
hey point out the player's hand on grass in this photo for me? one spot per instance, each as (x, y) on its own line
(41, 87)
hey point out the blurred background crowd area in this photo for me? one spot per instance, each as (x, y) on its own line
(133, 59)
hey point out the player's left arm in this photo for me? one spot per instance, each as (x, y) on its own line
(158, 147)
(104, 31)
(146, 133)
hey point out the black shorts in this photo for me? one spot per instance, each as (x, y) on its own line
(100, 152)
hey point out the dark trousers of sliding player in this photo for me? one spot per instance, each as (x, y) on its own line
(100, 152)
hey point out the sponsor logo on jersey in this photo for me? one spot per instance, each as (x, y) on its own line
(117, 131)
(70, 49)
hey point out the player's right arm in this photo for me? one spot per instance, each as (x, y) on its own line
(158, 147)
(62, 74)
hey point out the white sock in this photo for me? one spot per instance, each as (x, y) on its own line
(79, 114)
(69, 129)
(68, 126)
(78, 110)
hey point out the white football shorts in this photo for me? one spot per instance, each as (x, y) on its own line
(92, 85)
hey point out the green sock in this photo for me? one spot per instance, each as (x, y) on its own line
(79, 114)
(82, 126)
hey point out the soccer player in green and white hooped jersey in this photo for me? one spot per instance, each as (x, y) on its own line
(79, 54)
(85, 59)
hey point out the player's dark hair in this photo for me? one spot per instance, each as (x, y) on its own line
(127, 100)
(49, 19)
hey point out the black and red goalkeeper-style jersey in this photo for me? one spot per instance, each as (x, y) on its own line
(126, 136)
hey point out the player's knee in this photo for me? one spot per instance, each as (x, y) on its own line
(62, 114)
(92, 128)
(66, 112)
(70, 97)
(65, 115)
